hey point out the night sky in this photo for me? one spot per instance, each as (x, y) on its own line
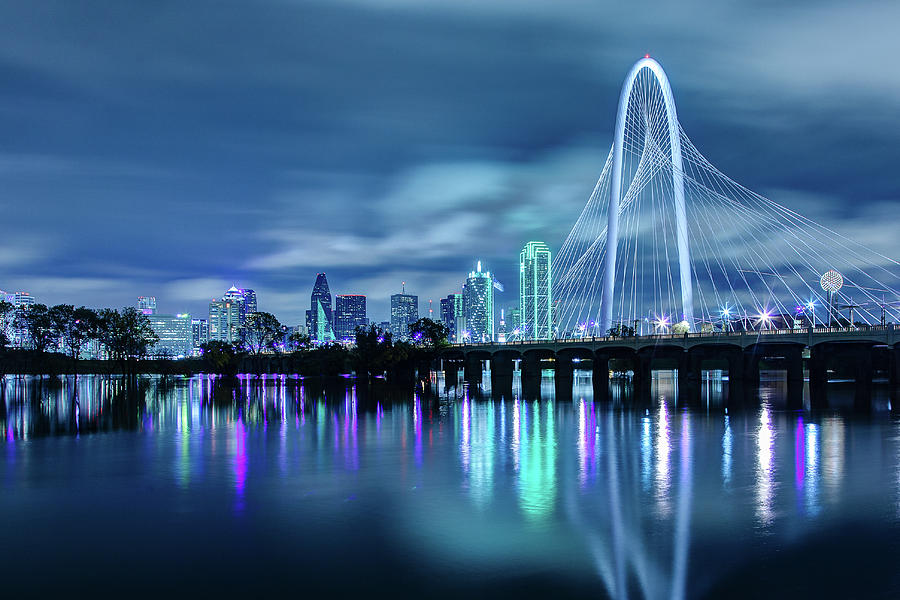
(173, 148)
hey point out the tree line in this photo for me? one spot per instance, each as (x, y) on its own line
(126, 338)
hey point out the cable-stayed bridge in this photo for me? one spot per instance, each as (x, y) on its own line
(672, 260)
(667, 241)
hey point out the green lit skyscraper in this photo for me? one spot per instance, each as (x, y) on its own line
(535, 295)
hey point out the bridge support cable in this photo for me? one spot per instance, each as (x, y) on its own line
(666, 240)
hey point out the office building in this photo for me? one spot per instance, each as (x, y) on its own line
(147, 305)
(535, 295)
(199, 333)
(478, 303)
(18, 336)
(404, 312)
(349, 313)
(176, 338)
(320, 319)
(453, 316)
(224, 321)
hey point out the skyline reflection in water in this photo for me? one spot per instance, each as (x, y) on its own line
(646, 501)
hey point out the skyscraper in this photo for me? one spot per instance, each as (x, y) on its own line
(249, 304)
(175, 333)
(535, 295)
(224, 320)
(21, 301)
(321, 322)
(349, 313)
(453, 316)
(478, 302)
(200, 334)
(404, 312)
(147, 305)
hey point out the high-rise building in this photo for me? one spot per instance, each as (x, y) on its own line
(453, 316)
(535, 294)
(224, 320)
(404, 312)
(321, 321)
(175, 332)
(18, 336)
(478, 303)
(349, 313)
(147, 305)
(248, 306)
(199, 333)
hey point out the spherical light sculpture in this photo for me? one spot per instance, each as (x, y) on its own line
(832, 281)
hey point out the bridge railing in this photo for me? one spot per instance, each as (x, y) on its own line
(861, 329)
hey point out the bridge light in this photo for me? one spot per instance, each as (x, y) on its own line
(726, 312)
(764, 318)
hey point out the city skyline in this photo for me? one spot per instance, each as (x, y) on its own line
(89, 155)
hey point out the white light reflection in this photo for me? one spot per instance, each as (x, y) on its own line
(727, 445)
(811, 482)
(765, 470)
(663, 449)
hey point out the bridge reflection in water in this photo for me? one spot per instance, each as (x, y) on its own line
(729, 368)
(647, 497)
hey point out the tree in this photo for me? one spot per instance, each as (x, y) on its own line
(74, 328)
(620, 330)
(260, 332)
(38, 324)
(127, 335)
(429, 333)
(6, 321)
(297, 341)
(221, 357)
(372, 352)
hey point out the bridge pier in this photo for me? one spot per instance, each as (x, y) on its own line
(473, 369)
(862, 398)
(564, 377)
(817, 365)
(794, 359)
(600, 376)
(530, 374)
(502, 369)
(450, 368)
(643, 378)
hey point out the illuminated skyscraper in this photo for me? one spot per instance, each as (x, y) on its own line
(404, 312)
(478, 302)
(176, 339)
(535, 296)
(321, 322)
(199, 333)
(349, 313)
(147, 305)
(453, 316)
(224, 320)
(21, 301)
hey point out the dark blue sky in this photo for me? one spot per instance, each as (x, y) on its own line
(171, 148)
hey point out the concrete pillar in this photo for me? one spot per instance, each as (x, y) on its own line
(794, 360)
(501, 376)
(530, 369)
(735, 377)
(894, 377)
(564, 377)
(818, 376)
(451, 373)
(601, 377)
(689, 375)
(643, 378)
(473, 369)
(862, 399)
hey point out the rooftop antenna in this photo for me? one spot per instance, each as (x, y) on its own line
(403, 286)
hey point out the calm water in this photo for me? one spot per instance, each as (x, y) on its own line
(187, 488)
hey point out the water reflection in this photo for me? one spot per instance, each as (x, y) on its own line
(633, 495)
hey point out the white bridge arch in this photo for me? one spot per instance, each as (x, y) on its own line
(684, 250)
(667, 237)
